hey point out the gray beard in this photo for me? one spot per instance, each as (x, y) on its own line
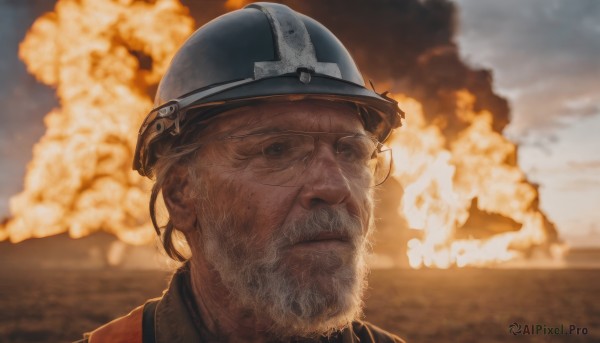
(262, 281)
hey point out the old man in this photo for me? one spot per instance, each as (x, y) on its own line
(266, 147)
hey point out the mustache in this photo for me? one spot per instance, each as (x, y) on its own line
(328, 221)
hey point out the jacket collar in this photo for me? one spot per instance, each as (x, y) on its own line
(174, 322)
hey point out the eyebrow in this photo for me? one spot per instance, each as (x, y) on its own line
(277, 130)
(264, 130)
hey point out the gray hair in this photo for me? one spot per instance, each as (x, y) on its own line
(180, 151)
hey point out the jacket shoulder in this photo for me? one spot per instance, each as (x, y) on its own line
(368, 332)
(126, 329)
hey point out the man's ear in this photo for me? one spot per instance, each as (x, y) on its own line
(177, 193)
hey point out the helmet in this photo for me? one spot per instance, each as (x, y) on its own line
(263, 51)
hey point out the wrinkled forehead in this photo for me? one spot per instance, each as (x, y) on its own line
(301, 115)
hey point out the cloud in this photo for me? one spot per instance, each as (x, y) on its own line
(544, 54)
(585, 165)
(580, 185)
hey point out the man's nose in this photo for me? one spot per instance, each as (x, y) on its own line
(324, 181)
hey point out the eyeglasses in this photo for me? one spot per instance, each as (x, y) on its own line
(281, 158)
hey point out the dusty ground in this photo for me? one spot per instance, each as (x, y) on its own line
(470, 305)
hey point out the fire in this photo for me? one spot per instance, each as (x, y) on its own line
(440, 183)
(236, 4)
(102, 56)
(80, 179)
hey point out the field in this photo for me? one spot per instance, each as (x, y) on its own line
(466, 305)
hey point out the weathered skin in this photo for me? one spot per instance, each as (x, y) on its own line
(260, 209)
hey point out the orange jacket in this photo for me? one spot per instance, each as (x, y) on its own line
(127, 329)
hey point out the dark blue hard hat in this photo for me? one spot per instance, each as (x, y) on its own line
(263, 51)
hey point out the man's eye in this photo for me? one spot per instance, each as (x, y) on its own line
(276, 150)
(349, 153)
(353, 150)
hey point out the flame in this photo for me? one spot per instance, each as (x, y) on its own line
(80, 178)
(440, 183)
(232, 5)
(102, 55)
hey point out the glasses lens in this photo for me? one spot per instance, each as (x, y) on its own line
(382, 165)
(355, 150)
(281, 159)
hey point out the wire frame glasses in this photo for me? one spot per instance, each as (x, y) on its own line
(281, 158)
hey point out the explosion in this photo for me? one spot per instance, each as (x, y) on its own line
(463, 194)
(441, 184)
(101, 56)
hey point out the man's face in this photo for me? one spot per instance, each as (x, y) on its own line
(287, 238)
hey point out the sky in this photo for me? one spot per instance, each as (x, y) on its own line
(544, 55)
(23, 101)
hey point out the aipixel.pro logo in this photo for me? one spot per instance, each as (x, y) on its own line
(547, 330)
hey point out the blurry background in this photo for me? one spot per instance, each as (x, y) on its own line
(544, 58)
(497, 166)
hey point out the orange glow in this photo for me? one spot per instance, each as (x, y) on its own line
(440, 183)
(80, 179)
(236, 4)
